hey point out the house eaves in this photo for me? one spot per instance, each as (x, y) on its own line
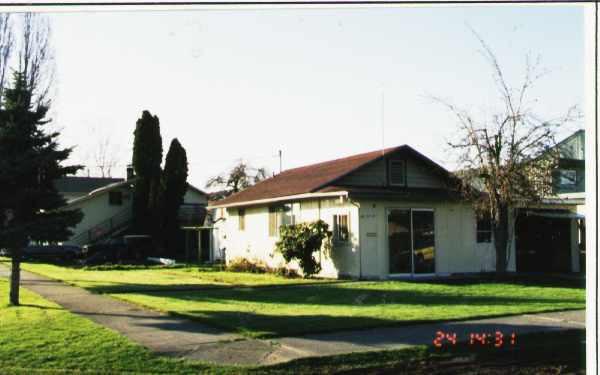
(281, 199)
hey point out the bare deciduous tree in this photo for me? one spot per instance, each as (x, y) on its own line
(506, 159)
(7, 41)
(105, 156)
(36, 58)
(241, 176)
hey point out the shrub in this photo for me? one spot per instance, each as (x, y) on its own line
(245, 265)
(300, 241)
(257, 266)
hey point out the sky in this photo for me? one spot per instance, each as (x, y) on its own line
(317, 84)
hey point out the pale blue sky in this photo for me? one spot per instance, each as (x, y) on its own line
(246, 83)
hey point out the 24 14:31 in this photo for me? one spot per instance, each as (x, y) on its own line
(496, 339)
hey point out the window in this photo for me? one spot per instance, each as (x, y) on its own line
(278, 216)
(484, 229)
(273, 221)
(397, 172)
(115, 198)
(567, 178)
(241, 219)
(341, 231)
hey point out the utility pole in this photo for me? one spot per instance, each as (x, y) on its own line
(280, 164)
(384, 182)
(382, 119)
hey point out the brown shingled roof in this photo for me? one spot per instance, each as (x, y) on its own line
(307, 179)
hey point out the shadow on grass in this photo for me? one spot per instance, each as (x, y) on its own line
(348, 330)
(547, 352)
(345, 308)
(352, 295)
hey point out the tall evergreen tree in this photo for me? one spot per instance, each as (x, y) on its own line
(173, 188)
(147, 157)
(31, 161)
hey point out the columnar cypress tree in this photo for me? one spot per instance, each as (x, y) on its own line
(30, 162)
(147, 157)
(173, 188)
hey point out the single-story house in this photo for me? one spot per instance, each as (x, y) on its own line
(107, 211)
(393, 212)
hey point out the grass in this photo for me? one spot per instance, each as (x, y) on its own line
(295, 310)
(237, 301)
(537, 353)
(40, 337)
(127, 279)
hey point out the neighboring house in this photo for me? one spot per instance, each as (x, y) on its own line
(544, 234)
(106, 206)
(75, 187)
(393, 212)
(569, 177)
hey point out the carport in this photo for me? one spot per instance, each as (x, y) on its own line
(548, 240)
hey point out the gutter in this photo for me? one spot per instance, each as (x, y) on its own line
(281, 199)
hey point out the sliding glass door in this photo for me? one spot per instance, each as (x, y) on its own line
(411, 241)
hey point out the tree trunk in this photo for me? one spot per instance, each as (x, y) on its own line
(15, 276)
(501, 240)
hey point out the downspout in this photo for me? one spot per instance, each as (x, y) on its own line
(359, 247)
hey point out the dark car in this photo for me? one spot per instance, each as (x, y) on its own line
(127, 249)
(50, 252)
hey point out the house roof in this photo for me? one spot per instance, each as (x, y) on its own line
(99, 191)
(315, 178)
(73, 184)
(114, 185)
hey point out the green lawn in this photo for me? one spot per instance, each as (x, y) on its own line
(40, 337)
(238, 302)
(156, 278)
(297, 310)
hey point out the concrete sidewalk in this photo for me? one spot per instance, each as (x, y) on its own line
(180, 337)
(159, 332)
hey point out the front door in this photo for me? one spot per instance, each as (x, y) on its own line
(411, 241)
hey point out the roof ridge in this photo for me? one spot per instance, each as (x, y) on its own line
(311, 177)
(349, 157)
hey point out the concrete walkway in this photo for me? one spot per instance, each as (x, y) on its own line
(180, 337)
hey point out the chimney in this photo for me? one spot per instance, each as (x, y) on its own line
(130, 172)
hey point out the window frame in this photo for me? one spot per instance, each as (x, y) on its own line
(241, 219)
(573, 181)
(483, 235)
(337, 228)
(404, 172)
(273, 221)
(276, 217)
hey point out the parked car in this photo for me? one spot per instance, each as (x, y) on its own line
(126, 249)
(49, 252)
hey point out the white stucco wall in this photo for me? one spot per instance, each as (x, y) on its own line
(97, 209)
(456, 248)
(366, 254)
(254, 242)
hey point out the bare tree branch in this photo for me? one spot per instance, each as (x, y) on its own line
(7, 41)
(36, 58)
(509, 156)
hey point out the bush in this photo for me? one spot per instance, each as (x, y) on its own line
(300, 241)
(257, 266)
(244, 265)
